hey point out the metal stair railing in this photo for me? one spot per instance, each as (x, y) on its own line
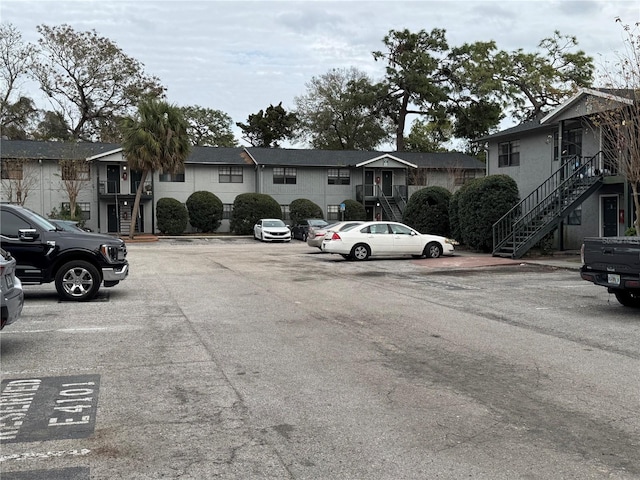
(387, 206)
(539, 213)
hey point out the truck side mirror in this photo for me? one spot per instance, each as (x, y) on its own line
(28, 234)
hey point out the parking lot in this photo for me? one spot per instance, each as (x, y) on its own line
(237, 359)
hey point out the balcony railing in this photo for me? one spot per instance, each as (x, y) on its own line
(113, 188)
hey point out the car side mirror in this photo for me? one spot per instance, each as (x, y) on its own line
(28, 234)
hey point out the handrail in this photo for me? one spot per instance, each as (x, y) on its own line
(548, 198)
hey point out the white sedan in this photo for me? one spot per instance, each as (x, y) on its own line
(385, 239)
(271, 229)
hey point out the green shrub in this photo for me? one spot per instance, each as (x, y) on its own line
(302, 208)
(354, 210)
(454, 217)
(65, 214)
(428, 211)
(630, 232)
(171, 216)
(205, 211)
(480, 204)
(248, 208)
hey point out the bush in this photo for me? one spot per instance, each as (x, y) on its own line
(354, 210)
(481, 203)
(302, 208)
(171, 216)
(630, 232)
(248, 208)
(205, 211)
(65, 214)
(428, 211)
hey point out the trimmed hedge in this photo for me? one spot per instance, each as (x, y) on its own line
(481, 203)
(171, 216)
(205, 211)
(302, 208)
(428, 211)
(354, 210)
(248, 208)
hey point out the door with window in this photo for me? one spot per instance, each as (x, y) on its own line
(609, 216)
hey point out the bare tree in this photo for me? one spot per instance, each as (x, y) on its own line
(618, 112)
(19, 178)
(17, 112)
(75, 174)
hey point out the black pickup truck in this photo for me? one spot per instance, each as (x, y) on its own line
(614, 262)
(78, 262)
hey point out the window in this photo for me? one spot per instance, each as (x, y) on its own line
(11, 170)
(575, 217)
(463, 176)
(571, 144)
(172, 177)
(509, 154)
(333, 212)
(338, 176)
(83, 207)
(230, 175)
(284, 175)
(418, 176)
(227, 210)
(286, 215)
(10, 224)
(75, 169)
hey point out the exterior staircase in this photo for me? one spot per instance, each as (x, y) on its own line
(543, 210)
(392, 206)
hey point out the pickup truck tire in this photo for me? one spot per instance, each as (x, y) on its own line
(77, 280)
(628, 299)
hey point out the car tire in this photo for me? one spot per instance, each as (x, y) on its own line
(628, 299)
(360, 252)
(78, 280)
(261, 237)
(304, 237)
(432, 250)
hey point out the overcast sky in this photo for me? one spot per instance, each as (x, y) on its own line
(240, 57)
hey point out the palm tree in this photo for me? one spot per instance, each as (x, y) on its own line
(155, 140)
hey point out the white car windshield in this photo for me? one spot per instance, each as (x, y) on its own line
(274, 223)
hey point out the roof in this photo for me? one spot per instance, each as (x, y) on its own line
(52, 150)
(246, 156)
(352, 158)
(626, 96)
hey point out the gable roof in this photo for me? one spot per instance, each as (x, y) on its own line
(614, 95)
(617, 95)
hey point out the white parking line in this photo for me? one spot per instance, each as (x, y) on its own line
(37, 455)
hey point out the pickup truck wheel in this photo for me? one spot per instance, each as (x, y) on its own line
(77, 280)
(628, 299)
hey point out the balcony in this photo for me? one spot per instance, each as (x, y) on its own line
(112, 189)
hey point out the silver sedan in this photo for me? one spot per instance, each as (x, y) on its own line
(316, 234)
